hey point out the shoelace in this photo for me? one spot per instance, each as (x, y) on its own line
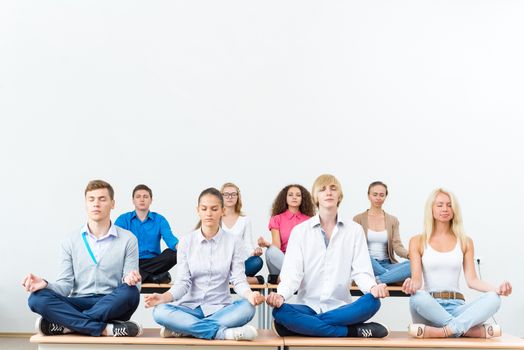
(120, 332)
(366, 333)
(56, 327)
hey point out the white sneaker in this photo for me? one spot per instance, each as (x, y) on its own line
(167, 333)
(246, 332)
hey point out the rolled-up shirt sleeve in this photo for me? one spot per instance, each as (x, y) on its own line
(361, 270)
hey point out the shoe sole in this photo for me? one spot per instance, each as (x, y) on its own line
(37, 325)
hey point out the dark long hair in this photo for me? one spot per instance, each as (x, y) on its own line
(213, 192)
(280, 203)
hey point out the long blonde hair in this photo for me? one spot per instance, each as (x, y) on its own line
(429, 221)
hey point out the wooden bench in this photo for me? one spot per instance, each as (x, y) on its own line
(267, 340)
(401, 340)
(394, 291)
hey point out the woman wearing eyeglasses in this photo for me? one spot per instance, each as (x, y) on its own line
(439, 255)
(235, 222)
(292, 206)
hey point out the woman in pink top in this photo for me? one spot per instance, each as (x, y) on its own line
(292, 206)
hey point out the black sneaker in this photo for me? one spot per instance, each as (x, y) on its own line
(44, 327)
(282, 331)
(260, 279)
(161, 278)
(126, 328)
(272, 279)
(368, 330)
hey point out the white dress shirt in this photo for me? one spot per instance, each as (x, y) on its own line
(243, 229)
(205, 268)
(322, 275)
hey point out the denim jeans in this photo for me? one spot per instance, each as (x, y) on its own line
(87, 315)
(386, 272)
(454, 313)
(192, 322)
(253, 264)
(274, 260)
(304, 320)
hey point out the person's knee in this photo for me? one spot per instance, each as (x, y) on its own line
(278, 312)
(419, 299)
(374, 304)
(172, 256)
(129, 293)
(493, 299)
(39, 300)
(159, 313)
(258, 263)
(246, 308)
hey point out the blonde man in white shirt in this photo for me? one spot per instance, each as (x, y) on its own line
(324, 254)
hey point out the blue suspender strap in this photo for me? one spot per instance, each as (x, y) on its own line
(84, 237)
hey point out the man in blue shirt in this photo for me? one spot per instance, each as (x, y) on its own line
(149, 227)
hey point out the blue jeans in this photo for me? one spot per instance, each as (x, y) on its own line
(454, 313)
(188, 321)
(304, 320)
(386, 272)
(253, 265)
(87, 315)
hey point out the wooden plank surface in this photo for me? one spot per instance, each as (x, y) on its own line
(403, 340)
(152, 336)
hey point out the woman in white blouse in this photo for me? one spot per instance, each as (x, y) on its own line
(235, 222)
(199, 303)
(439, 255)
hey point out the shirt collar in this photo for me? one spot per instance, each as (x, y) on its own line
(149, 215)
(111, 232)
(289, 215)
(216, 238)
(315, 220)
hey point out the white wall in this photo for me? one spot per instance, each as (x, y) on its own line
(188, 94)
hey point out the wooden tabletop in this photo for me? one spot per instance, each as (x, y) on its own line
(151, 336)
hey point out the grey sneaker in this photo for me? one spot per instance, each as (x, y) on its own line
(167, 333)
(44, 327)
(126, 328)
(246, 332)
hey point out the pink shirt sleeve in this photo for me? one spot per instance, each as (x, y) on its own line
(274, 223)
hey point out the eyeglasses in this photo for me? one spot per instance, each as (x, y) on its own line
(229, 194)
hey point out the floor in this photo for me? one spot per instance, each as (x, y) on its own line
(16, 344)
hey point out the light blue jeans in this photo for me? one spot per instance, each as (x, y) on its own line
(192, 322)
(274, 260)
(386, 272)
(454, 313)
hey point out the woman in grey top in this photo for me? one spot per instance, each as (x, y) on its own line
(199, 303)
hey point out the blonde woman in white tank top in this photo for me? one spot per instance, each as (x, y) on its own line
(438, 255)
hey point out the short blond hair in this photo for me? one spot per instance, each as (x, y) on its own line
(325, 180)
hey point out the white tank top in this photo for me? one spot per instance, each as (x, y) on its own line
(378, 244)
(442, 270)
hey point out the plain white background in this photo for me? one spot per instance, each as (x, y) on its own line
(189, 94)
